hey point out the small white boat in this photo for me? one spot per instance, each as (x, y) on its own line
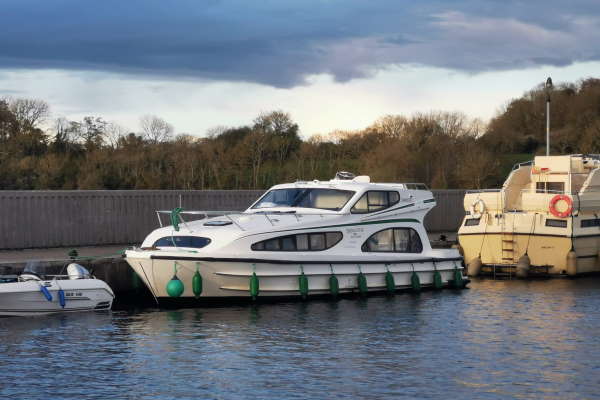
(301, 239)
(29, 294)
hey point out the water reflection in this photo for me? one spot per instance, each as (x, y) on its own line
(497, 340)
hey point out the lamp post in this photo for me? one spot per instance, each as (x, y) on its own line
(548, 88)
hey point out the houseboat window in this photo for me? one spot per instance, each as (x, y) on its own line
(557, 223)
(303, 242)
(588, 223)
(182, 241)
(399, 240)
(288, 244)
(375, 200)
(325, 199)
(549, 187)
(472, 221)
(317, 241)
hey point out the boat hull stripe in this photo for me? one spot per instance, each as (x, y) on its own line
(529, 234)
(267, 261)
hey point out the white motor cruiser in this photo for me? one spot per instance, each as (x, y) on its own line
(29, 294)
(301, 239)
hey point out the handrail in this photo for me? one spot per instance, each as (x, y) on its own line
(522, 164)
(545, 191)
(229, 214)
(483, 191)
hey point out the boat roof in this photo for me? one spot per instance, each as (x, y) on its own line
(571, 163)
(359, 183)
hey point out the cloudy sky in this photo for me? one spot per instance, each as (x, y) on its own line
(329, 63)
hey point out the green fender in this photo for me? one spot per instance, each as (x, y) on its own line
(390, 284)
(362, 284)
(334, 285)
(254, 286)
(415, 282)
(437, 280)
(175, 287)
(303, 285)
(197, 284)
(458, 279)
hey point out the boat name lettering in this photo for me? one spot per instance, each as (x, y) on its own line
(73, 294)
(355, 232)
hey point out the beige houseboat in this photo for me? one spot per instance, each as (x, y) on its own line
(545, 217)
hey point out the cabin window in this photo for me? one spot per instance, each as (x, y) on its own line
(556, 223)
(182, 241)
(325, 199)
(472, 221)
(303, 242)
(317, 241)
(375, 200)
(588, 223)
(397, 240)
(550, 187)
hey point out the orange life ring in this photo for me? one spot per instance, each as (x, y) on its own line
(555, 200)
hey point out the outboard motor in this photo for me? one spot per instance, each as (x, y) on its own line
(76, 271)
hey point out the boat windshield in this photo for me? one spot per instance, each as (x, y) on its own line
(324, 199)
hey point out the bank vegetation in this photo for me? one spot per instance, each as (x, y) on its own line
(441, 149)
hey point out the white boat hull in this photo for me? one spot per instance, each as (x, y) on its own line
(230, 279)
(26, 298)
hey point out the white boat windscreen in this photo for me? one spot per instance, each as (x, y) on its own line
(325, 199)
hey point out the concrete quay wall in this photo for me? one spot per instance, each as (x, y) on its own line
(71, 218)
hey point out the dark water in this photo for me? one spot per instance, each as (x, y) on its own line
(498, 340)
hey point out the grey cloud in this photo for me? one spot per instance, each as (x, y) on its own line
(281, 43)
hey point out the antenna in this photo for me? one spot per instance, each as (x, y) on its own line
(548, 88)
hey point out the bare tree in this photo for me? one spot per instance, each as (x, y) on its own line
(29, 112)
(90, 132)
(63, 133)
(155, 129)
(391, 126)
(113, 132)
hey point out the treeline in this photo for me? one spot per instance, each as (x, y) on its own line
(441, 149)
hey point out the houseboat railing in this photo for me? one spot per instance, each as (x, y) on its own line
(269, 216)
(483, 191)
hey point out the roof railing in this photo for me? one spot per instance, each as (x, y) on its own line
(522, 164)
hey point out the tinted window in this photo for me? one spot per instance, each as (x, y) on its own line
(587, 223)
(551, 187)
(288, 243)
(375, 200)
(272, 245)
(399, 240)
(557, 223)
(326, 199)
(317, 241)
(303, 242)
(472, 221)
(381, 241)
(182, 241)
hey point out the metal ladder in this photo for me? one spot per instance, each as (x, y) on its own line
(508, 242)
